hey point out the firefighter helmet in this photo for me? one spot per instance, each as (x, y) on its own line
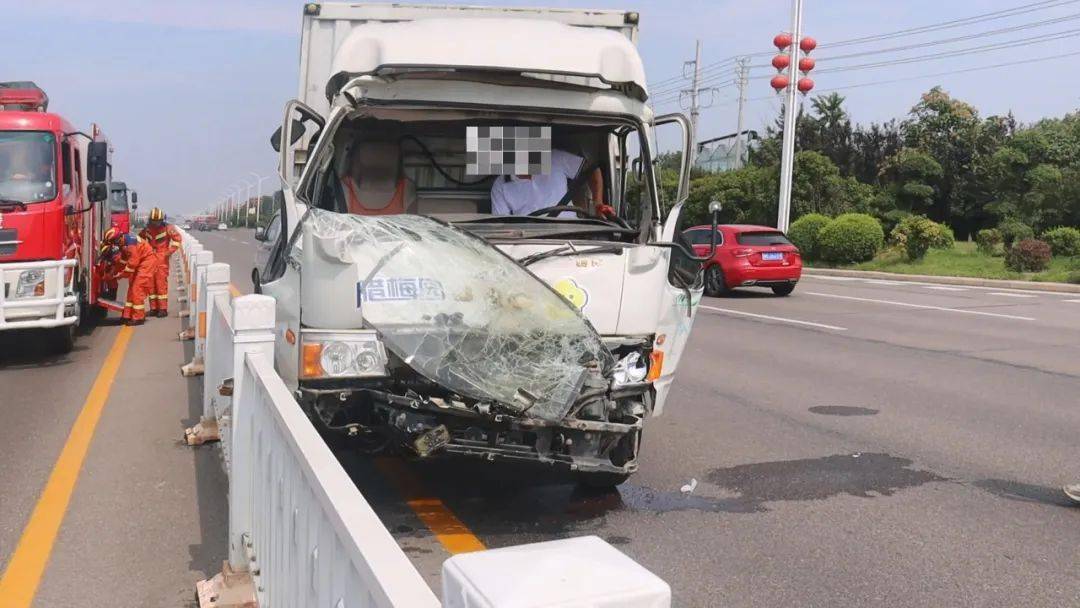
(157, 215)
(112, 235)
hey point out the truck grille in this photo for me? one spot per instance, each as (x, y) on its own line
(6, 235)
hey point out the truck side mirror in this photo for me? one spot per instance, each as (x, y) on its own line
(97, 191)
(297, 132)
(134, 200)
(97, 161)
(260, 234)
(256, 280)
(715, 208)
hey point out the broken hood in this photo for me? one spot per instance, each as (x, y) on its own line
(451, 307)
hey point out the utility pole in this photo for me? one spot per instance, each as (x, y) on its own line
(695, 106)
(787, 163)
(742, 70)
(695, 92)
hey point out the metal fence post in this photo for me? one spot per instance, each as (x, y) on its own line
(253, 326)
(196, 313)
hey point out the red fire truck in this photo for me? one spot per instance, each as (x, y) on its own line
(53, 184)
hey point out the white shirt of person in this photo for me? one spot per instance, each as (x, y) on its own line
(522, 196)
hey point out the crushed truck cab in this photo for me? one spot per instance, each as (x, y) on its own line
(411, 317)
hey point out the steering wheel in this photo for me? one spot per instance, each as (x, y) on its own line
(552, 211)
(556, 209)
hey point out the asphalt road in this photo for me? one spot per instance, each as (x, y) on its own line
(146, 517)
(859, 443)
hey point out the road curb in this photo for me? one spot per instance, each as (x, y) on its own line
(965, 281)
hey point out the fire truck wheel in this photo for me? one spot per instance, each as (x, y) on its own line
(62, 339)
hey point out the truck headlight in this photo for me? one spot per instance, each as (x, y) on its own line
(357, 354)
(31, 283)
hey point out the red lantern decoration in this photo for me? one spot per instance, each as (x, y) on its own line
(782, 41)
(807, 44)
(806, 64)
(781, 62)
(780, 82)
(805, 85)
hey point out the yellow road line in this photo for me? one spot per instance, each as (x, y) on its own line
(23, 574)
(454, 535)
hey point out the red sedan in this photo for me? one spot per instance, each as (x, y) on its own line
(747, 256)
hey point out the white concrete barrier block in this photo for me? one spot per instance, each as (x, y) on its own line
(583, 572)
(253, 312)
(217, 273)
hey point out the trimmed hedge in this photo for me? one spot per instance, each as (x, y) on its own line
(918, 233)
(804, 234)
(987, 241)
(1013, 230)
(1028, 255)
(850, 238)
(1063, 241)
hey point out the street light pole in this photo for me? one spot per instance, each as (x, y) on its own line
(258, 196)
(787, 162)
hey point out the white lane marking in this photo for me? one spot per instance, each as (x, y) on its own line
(944, 288)
(1073, 301)
(924, 283)
(884, 282)
(921, 306)
(780, 319)
(1011, 294)
(244, 243)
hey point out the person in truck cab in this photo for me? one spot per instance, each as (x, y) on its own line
(524, 194)
(140, 263)
(165, 240)
(374, 182)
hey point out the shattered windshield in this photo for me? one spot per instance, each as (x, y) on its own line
(462, 314)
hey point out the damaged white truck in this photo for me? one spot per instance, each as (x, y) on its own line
(410, 316)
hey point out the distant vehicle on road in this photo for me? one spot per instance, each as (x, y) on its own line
(223, 226)
(747, 256)
(185, 226)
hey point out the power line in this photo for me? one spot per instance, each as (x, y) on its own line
(957, 53)
(919, 45)
(1001, 14)
(924, 76)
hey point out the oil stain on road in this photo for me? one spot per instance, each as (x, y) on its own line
(863, 475)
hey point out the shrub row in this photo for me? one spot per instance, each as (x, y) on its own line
(849, 238)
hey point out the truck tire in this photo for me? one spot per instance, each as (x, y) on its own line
(62, 339)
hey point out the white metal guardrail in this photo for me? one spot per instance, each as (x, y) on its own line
(300, 532)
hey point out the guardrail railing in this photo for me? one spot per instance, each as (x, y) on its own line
(301, 533)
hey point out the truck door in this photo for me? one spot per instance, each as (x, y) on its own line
(684, 286)
(299, 130)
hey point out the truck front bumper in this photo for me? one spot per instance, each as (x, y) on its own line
(57, 308)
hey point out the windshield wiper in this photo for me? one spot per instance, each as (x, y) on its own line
(566, 250)
(4, 202)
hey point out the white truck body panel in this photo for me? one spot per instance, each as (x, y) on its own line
(331, 26)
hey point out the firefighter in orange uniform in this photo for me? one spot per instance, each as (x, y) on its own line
(165, 240)
(140, 263)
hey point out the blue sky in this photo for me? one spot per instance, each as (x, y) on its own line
(189, 91)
